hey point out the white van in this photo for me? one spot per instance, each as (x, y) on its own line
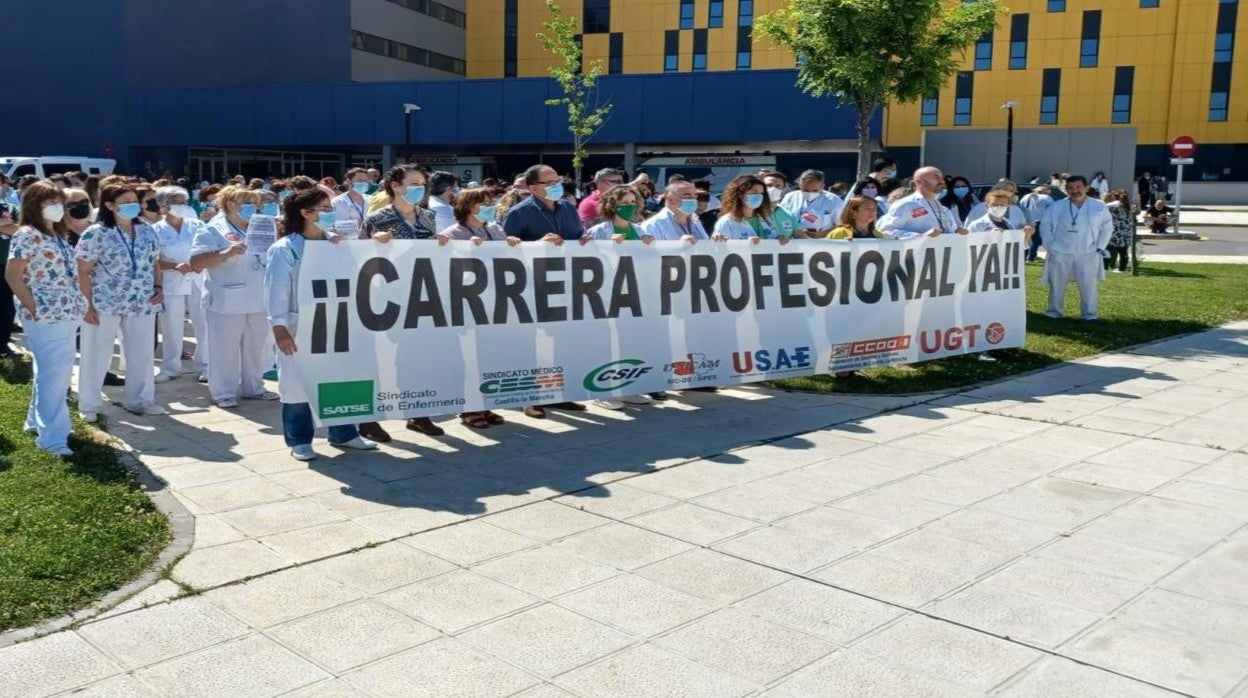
(719, 169)
(18, 166)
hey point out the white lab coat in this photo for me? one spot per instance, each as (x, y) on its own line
(913, 215)
(1074, 237)
(663, 226)
(347, 209)
(822, 213)
(1014, 220)
(281, 278)
(980, 210)
(443, 212)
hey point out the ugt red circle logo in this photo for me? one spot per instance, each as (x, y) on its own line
(995, 333)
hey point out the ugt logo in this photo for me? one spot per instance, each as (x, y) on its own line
(345, 399)
(320, 316)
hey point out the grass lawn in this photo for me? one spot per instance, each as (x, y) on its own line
(1166, 299)
(71, 530)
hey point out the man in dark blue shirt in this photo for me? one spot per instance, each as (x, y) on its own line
(545, 215)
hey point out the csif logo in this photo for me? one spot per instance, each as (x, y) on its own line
(320, 316)
(615, 375)
(767, 360)
(345, 399)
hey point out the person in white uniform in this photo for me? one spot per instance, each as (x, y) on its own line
(921, 213)
(352, 207)
(747, 214)
(238, 336)
(182, 284)
(118, 276)
(443, 188)
(1000, 213)
(678, 219)
(43, 275)
(815, 210)
(308, 216)
(1076, 233)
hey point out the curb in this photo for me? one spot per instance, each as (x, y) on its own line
(181, 539)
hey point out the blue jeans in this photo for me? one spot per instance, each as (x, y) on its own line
(298, 428)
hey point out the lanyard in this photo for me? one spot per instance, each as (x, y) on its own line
(1074, 213)
(686, 229)
(242, 233)
(130, 245)
(66, 256)
(358, 209)
(938, 211)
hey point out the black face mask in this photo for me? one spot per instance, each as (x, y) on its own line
(79, 211)
(152, 206)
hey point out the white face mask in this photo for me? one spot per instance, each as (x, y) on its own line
(998, 211)
(810, 196)
(54, 213)
(775, 193)
(182, 211)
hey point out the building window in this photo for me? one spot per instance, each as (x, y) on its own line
(407, 53)
(1019, 26)
(744, 47)
(597, 15)
(1050, 90)
(615, 57)
(1145, 4)
(1217, 106)
(699, 49)
(983, 52)
(745, 13)
(1090, 46)
(510, 34)
(964, 93)
(1223, 47)
(929, 110)
(686, 14)
(715, 15)
(671, 50)
(1124, 85)
(1057, 6)
(436, 10)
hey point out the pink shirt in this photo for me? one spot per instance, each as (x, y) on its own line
(588, 209)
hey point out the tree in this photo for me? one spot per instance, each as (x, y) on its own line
(868, 53)
(580, 86)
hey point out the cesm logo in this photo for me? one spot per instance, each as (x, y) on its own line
(522, 381)
(345, 399)
(771, 360)
(615, 375)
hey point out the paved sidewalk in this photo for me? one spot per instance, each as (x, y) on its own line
(1079, 531)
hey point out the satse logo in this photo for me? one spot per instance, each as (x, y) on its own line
(767, 360)
(345, 399)
(615, 375)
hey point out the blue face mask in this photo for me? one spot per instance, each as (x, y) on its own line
(961, 192)
(688, 206)
(753, 200)
(554, 192)
(325, 220)
(128, 211)
(487, 214)
(283, 195)
(270, 209)
(246, 211)
(360, 187)
(414, 194)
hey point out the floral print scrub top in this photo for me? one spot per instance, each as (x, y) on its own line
(123, 271)
(51, 274)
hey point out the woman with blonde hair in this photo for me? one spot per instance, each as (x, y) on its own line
(234, 312)
(857, 220)
(42, 272)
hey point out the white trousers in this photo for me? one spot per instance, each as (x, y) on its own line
(239, 345)
(1083, 268)
(173, 330)
(52, 344)
(138, 339)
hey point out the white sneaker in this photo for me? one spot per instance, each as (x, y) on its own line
(609, 404)
(985, 358)
(163, 377)
(642, 399)
(151, 409)
(359, 443)
(303, 452)
(266, 395)
(203, 378)
(89, 417)
(228, 403)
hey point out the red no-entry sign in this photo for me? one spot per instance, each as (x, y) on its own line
(1183, 147)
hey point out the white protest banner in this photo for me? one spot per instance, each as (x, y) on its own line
(261, 234)
(411, 328)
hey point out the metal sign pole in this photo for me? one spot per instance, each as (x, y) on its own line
(1178, 198)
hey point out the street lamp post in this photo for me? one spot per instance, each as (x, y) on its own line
(408, 108)
(1009, 137)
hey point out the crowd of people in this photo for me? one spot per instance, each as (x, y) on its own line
(93, 260)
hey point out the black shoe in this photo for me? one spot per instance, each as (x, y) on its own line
(373, 432)
(16, 328)
(425, 426)
(658, 396)
(114, 380)
(707, 389)
(570, 406)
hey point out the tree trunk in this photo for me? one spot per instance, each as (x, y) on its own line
(865, 112)
(576, 164)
